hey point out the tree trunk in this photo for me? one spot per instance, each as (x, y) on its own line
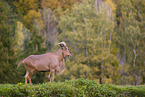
(137, 80)
(135, 55)
(98, 5)
(102, 73)
(109, 44)
(87, 53)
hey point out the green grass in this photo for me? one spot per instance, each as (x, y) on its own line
(72, 88)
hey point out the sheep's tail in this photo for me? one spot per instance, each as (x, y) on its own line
(22, 61)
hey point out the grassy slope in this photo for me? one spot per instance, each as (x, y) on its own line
(77, 88)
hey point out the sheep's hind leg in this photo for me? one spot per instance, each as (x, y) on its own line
(29, 76)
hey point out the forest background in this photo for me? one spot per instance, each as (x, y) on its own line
(105, 37)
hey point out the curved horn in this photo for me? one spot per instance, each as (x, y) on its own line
(62, 44)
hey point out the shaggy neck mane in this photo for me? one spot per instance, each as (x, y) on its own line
(60, 54)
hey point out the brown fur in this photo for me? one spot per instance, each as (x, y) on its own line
(44, 62)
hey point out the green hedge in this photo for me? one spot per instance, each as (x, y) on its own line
(72, 88)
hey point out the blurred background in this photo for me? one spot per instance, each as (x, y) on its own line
(105, 37)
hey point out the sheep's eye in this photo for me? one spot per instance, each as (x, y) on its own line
(61, 45)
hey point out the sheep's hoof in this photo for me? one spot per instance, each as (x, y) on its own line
(48, 76)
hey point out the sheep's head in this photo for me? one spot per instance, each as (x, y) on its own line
(65, 49)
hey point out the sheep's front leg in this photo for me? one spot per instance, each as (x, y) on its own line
(48, 76)
(52, 75)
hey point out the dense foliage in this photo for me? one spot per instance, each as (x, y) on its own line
(72, 88)
(105, 37)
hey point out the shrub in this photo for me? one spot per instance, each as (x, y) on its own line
(76, 87)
